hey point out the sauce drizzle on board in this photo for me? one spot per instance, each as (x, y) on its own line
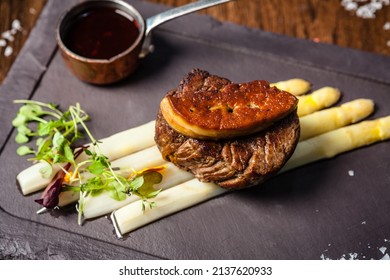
(101, 33)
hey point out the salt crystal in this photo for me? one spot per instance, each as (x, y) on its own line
(388, 43)
(386, 240)
(386, 257)
(353, 256)
(7, 35)
(376, 5)
(323, 257)
(16, 25)
(351, 173)
(364, 8)
(3, 43)
(351, 6)
(8, 51)
(383, 249)
(364, 222)
(365, 12)
(386, 26)
(32, 11)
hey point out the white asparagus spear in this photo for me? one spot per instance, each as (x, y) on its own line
(118, 145)
(317, 100)
(335, 117)
(31, 179)
(293, 86)
(338, 141)
(170, 201)
(327, 145)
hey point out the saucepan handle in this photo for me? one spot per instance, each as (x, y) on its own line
(168, 15)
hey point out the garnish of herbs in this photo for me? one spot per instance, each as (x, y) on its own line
(55, 133)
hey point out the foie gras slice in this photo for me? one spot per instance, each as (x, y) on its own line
(210, 107)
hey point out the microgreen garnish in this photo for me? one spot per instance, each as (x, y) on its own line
(56, 133)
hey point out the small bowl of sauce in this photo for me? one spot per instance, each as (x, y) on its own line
(100, 41)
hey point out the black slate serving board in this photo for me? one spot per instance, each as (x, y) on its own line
(313, 212)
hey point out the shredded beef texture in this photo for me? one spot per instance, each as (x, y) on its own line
(231, 163)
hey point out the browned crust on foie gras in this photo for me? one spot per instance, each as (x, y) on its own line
(210, 107)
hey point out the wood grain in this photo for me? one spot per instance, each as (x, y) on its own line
(324, 21)
(27, 12)
(321, 21)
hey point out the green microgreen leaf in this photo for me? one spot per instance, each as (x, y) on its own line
(68, 153)
(68, 188)
(44, 128)
(24, 129)
(19, 120)
(97, 167)
(116, 191)
(137, 183)
(58, 141)
(24, 150)
(29, 110)
(88, 152)
(21, 138)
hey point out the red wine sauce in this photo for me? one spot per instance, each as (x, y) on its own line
(101, 33)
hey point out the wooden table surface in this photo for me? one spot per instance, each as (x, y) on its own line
(318, 20)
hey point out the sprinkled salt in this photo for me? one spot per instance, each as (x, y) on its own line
(364, 8)
(323, 257)
(386, 26)
(7, 35)
(16, 25)
(351, 6)
(351, 173)
(364, 222)
(8, 51)
(32, 11)
(353, 256)
(386, 257)
(383, 249)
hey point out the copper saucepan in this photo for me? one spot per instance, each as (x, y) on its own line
(113, 69)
